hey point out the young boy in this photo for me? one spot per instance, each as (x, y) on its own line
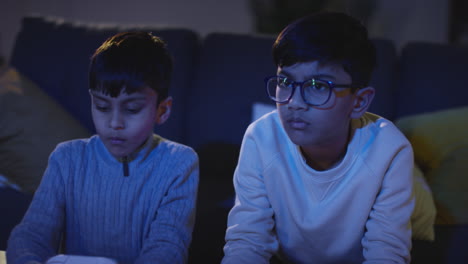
(319, 180)
(125, 193)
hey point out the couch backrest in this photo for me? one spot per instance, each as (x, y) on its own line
(432, 77)
(384, 79)
(228, 82)
(55, 55)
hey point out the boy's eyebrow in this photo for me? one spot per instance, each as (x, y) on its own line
(98, 96)
(324, 76)
(285, 73)
(135, 97)
(316, 76)
(132, 99)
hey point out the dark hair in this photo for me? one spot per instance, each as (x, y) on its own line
(128, 62)
(328, 37)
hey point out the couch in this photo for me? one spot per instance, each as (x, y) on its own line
(218, 81)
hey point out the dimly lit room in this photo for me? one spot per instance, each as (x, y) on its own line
(222, 61)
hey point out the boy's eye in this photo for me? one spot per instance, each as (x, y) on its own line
(133, 110)
(318, 86)
(284, 83)
(102, 108)
(132, 107)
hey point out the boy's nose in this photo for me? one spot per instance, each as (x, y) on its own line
(296, 101)
(117, 122)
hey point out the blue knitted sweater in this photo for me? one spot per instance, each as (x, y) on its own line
(86, 206)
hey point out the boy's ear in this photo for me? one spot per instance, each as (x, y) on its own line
(362, 101)
(164, 110)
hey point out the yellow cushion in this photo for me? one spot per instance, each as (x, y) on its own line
(440, 144)
(450, 187)
(31, 125)
(424, 214)
(434, 135)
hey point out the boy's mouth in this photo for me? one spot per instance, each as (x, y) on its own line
(297, 123)
(116, 140)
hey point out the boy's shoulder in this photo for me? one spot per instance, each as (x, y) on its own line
(265, 122)
(379, 129)
(376, 124)
(75, 144)
(268, 134)
(173, 155)
(71, 150)
(173, 147)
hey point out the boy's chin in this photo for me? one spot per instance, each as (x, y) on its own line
(303, 142)
(298, 138)
(116, 153)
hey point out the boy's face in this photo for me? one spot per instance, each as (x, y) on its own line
(309, 126)
(125, 122)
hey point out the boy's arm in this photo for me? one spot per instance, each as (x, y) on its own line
(38, 235)
(249, 236)
(171, 231)
(388, 235)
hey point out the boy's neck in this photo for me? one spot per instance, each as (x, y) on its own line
(324, 161)
(151, 142)
(327, 156)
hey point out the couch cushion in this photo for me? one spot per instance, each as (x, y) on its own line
(31, 125)
(215, 199)
(58, 62)
(12, 211)
(441, 150)
(449, 185)
(449, 246)
(432, 77)
(231, 79)
(424, 213)
(384, 79)
(434, 135)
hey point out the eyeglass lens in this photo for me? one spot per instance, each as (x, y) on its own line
(314, 92)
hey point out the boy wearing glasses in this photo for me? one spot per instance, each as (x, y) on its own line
(320, 180)
(125, 194)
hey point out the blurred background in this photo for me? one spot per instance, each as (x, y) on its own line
(440, 21)
(428, 69)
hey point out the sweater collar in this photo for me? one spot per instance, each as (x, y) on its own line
(138, 155)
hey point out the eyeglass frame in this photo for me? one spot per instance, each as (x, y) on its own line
(331, 84)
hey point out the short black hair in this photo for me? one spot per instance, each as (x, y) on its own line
(129, 61)
(328, 37)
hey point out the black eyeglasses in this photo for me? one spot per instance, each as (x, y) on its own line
(314, 92)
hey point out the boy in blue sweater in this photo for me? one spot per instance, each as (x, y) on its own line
(125, 194)
(321, 180)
